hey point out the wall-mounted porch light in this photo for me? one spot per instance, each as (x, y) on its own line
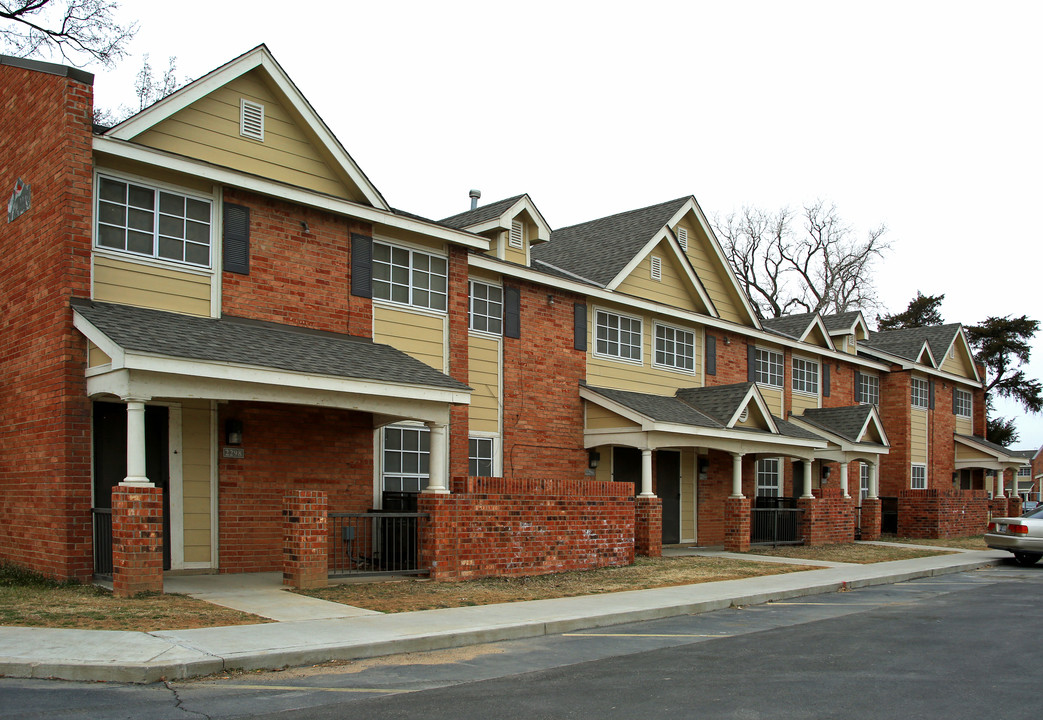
(233, 432)
(826, 470)
(593, 459)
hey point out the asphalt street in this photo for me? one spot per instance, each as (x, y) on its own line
(955, 646)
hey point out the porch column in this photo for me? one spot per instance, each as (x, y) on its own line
(843, 480)
(646, 473)
(736, 476)
(436, 464)
(999, 484)
(807, 480)
(136, 444)
(874, 482)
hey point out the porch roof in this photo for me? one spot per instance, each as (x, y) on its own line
(973, 451)
(854, 429)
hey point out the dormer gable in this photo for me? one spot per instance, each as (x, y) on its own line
(512, 225)
(805, 327)
(846, 330)
(247, 115)
(661, 272)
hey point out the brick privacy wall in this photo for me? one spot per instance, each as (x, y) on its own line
(296, 277)
(542, 410)
(895, 413)
(714, 492)
(998, 507)
(942, 513)
(137, 540)
(1014, 506)
(648, 526)
(829, 517)
(304, 517)
(514, 527)
(45, 474)
(737, 524)
(870, 518)
(288, 448)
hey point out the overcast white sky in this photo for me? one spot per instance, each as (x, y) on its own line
(924, 116)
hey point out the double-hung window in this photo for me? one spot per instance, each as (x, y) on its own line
(674, 348)
(920, 394)
(869, 386)
(480, 457)
(918, 477)
(962, 403)
(863, 479)
(152, 222)
(407, 457)
(618, 336)
(805, 376)
(410, 277)
(768, 367)
(768, 478)
(486, 308)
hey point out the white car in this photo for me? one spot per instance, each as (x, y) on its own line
(1022, 536)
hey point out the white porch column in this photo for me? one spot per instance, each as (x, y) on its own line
(436, 462)
(737, 475)
(999, 484)
(874, 481)
(807, 480)
(843, 480)
(136, 444)
(646, 473)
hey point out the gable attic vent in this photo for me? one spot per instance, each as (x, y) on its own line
(251, 120)
(682, 238)
(516, 234)
(657, 267)
(745, 414)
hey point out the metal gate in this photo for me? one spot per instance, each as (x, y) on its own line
(776, 521)
(375, 543)
(102, 520)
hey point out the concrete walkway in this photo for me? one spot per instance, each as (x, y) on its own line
(311, 632)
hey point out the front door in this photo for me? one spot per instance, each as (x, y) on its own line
(668, 488)
(626, 466)
(110, 456)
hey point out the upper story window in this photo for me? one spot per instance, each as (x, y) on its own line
(962, 403)
(410, 277)
(618, 336)
(486, 308)
(152, 222)
(921, 394)
(918, 477)
(805, 376)
(869, 390)
(768, 367)
(1024, 471)
(674, 348)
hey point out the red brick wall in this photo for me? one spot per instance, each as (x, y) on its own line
(942, 513)
(458, 307)
(829, 517)
(542, 410)
(870, 518)
(45, 486)
(287, 448)
(941, 448)
(731, 358)
(895, 413)
(841, 385)
(137, 540)
(514, 527)
(305, 539)
(297, 277)
(648, 526)
(737, 524)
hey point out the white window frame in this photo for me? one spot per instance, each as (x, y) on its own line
(157, 189)
(863, 479)
(492, 318)
(964, 403)
(673, 366)
(803, 381)
(401, 476)
(609, 315)
(1024, 471)
(918, 483)
(414, 273)
(769, 477)
(867, 382)
(482, 441)
(920, 393)
(769, 367)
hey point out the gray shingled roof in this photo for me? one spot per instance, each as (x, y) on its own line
(720, 402)
(840, 321)
(598, 250)
(793, 326)
(793, 430)
(660, 408)
(847, 422)
(258, 344)
(991, 445)
(482, 214)
(908, 342)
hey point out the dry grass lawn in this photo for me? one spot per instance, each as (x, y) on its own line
(974, 542)
(847, 552)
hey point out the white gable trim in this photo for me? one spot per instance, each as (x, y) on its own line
(754, 395)
(503, 222)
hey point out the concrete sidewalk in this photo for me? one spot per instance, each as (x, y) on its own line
(344, 634)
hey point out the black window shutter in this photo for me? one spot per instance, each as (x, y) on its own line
(751, 363)
(825, 379)
(711, 355)
(953, 399)
(858, 386)
(511, 312)
(930, 394)
(361, 265)
(237, 239)
(579, 326)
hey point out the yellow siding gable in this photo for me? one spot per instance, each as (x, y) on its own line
(598, 418)
(715, 276)
(816, 337)
(673, 288)
(96, 357)
(961, 364)
(208, 130)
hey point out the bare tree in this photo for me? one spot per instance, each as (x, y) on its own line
(148, 88)
(80, 31)
(819, 267)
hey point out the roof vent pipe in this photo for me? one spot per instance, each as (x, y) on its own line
(474, 195)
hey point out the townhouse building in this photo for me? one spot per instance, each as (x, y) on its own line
(210, 305)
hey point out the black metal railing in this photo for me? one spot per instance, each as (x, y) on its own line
(889, 515)
(776, 526)
(858, 522)
(102, 520)
(375, 543)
